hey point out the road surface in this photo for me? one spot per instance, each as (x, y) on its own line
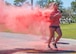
(14, 43)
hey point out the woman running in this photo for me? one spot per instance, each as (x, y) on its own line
(54, 24)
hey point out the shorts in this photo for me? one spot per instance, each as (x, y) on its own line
(55, 27)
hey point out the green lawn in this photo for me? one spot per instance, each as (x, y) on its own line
(69, 30)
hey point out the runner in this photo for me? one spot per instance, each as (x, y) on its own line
(54, 24)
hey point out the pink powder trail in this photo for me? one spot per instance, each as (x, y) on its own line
(25, 19)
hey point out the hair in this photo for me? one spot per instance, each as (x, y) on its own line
(53, 3)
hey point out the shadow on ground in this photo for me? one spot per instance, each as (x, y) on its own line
(63, 43)
(28, 50)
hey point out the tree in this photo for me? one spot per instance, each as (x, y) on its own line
(42, 3)
(49, 1)
(19, 2)
(73, 5)
(68, 15)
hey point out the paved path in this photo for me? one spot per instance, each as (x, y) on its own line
(12, 43)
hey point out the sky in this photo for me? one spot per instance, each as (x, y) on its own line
(66, 3)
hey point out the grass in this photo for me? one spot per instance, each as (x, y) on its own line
(3, 28)
(68, 30)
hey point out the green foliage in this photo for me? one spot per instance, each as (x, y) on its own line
(73, 5)
(49, 1)
(19, 2)
(42, 3)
